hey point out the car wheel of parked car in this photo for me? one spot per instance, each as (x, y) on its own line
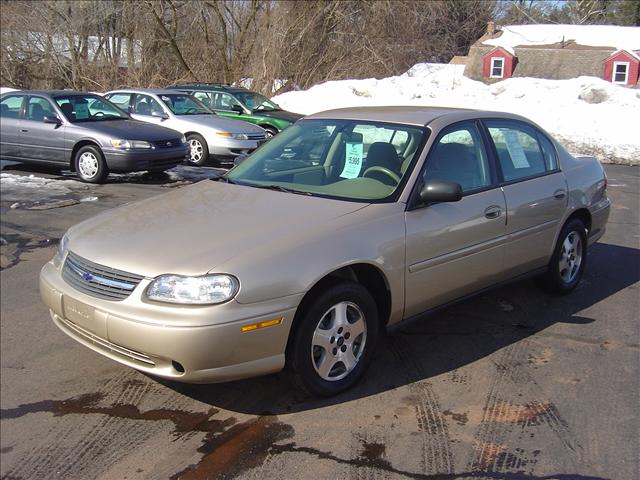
(199, 153)
(568, 260)
(271, 132)
(90, 165)
(335, 340)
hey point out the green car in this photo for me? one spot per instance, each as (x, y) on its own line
(241, 104)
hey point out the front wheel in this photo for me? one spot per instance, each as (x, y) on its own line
(569, 259)
(271, 132)
(90, 164)
(335, 340)
(198, 149)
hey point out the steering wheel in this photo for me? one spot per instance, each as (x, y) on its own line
(385, 170)
(98, 114)
(191, 110)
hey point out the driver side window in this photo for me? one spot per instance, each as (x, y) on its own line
(146, 105)
(224, 101)
(459, 156)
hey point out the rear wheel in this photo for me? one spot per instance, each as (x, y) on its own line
(335, 340)
(198, 149)
(569, 259)
(90, 164)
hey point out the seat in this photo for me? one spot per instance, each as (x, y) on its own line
(36, 112)
(67, 110)
(382, 154)
(454, 162)
(143, 108)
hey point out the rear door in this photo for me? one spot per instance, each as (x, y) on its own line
(453, 249)
(10, 113)
(41, 141)
(535, 190)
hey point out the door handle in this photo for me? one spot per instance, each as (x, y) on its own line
(24, 130)
(559, 194)
(494, 211)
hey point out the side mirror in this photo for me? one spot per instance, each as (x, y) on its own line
(239, 159)
(237, 108)
(160, 115)
(440, 191)
(52, 119)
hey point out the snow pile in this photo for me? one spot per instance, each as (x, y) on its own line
(587, 114)
(621, 38)
(6, 90)
(8, 180)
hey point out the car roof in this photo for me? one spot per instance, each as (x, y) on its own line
(210, 87)
(409, 115)
(153, 91)
(50, 93)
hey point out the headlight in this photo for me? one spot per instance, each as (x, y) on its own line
(62, 246)
(207, 289)
(129, 144)
(237, 136)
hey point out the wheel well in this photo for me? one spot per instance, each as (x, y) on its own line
(368, 276)
(583, 215)
(270, 127)
(77, 147)
(191, 133)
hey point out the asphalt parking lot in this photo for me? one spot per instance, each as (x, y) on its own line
(513, 384)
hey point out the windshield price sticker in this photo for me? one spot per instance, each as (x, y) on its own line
(352, 161)
(518, 157)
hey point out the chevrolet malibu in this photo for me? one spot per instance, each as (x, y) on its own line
(345, 224)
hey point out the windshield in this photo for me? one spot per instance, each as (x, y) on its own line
(255, 101)
(89, 108)
(182, 104)
(345, 159)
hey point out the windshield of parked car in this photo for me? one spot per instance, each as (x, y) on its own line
(344, 159)
(182, 104)
(88, 108)
(256, 102)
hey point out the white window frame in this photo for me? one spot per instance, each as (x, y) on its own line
(626, 72)
(493, 61)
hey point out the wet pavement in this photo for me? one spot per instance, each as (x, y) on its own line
(513, 384)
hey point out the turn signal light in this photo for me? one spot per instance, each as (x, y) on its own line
(266, 323)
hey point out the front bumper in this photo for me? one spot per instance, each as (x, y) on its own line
(185, 343)
(139, 160)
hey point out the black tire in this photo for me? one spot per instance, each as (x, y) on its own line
(305, 357)
(271, 131)
(90, 164)
(562, 275)
(199, 149)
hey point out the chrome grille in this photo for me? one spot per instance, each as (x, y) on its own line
(98, 280)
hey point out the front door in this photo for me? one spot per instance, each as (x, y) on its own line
(42, 141)
(453, 249)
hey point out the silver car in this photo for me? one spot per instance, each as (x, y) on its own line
(347, 223)
(85, 133)
(210, 136)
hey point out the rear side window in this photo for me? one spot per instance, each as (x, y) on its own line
(38, 108)
(548, 152)
(519, 151)
(11, 105)
(120, 100)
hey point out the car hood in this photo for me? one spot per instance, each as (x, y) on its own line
(129, 129)
(280, 114)
(220, 123)
(192, 230)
